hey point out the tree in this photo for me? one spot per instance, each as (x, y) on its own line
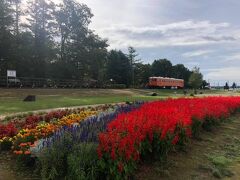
(162, 67)
(73, 19)
(142, 73)
(118, 67)
(82, 53)
(41, 24)
(56, 42)
(196, 78)
(17, 14)
(133, 61)
(234, 85)
(226, 86)
(205, 84)
(6, 24)
(181, 72)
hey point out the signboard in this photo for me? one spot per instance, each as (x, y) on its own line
(11, 73)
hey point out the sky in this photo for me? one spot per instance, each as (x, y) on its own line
(203, 33)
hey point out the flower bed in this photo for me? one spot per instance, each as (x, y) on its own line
(109, 141)
(36, 127)
(155, 128)
(17, 123)
(78, 145)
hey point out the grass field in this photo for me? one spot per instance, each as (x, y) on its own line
(11, 100)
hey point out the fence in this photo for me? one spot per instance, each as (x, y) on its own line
(26, 82)
(22, 82)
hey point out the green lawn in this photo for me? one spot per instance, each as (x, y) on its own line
(11, 100)
(17, 105)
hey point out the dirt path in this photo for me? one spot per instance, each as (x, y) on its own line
(9, 170)
(215, 156)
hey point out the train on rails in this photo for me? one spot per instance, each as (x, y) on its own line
(165, 82)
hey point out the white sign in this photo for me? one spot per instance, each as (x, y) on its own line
(11, 73)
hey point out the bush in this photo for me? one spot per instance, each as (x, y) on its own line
(53, 161)
(154, 94)
(209, 123)
(116, 86)
(196, 127)
(156, 149)
(6, 144)
(82, 162)
(25, 159)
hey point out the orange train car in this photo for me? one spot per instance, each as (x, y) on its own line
(165, 82)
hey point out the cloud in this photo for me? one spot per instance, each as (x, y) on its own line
(232, 58)
(223, 74)
(196, 53)
(183, 33)
(219, 38)
(182, 25)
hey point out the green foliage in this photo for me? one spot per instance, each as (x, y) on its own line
(156, 149)
(181, 72)
(109, 168)
(82, 162)
(209, 123)
(57, 38)
(142, 72)
(162, 67)
(53, 162)
(20, 140)
(70, 160)
(196, 78)
(5, 145)
(6, 38)
(133, 61)
(220, 161)
(118, 68)
(183, 138)
(116, 86)
(25, 160)
(196, 128)
(221, 164)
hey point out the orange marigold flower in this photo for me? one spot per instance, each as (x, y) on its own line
(18, 152)
(27, 152)
(23, 144)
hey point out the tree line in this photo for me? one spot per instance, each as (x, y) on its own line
(48, 40)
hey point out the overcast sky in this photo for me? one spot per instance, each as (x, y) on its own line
(203, 33)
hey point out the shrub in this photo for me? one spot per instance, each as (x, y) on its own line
(82, 163)
(116, 86)
(209, 123)
(6, 144)
(156, 149)
(154, 94)
(53, 160)
(196, 127)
